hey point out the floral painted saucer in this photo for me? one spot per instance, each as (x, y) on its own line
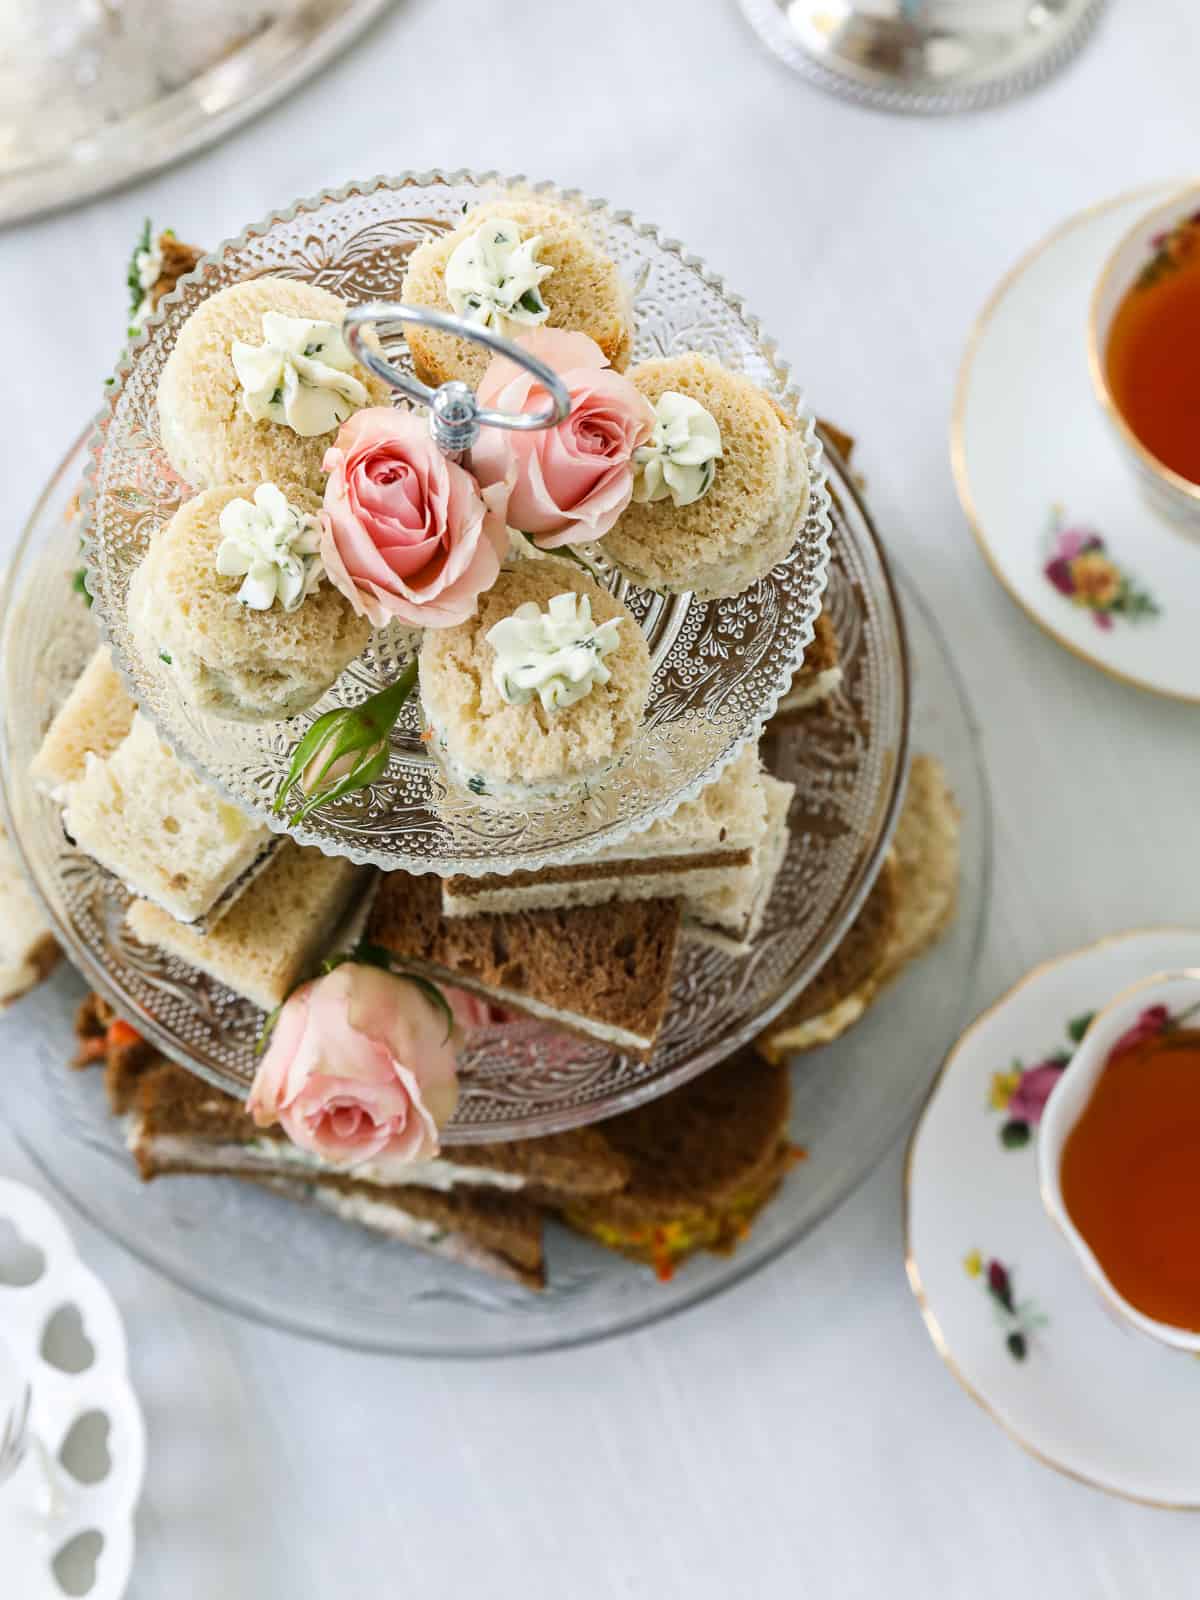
(1008, 1307)
(1049, 496)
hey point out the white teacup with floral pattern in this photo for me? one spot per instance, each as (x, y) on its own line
(1167, 491)
(1169, 995)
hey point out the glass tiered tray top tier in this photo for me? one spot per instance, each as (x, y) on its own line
(847, 763)
(719, 667)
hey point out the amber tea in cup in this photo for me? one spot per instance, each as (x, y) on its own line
(1152, 358)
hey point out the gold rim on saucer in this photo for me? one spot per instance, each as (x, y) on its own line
(958, 453)
(912, 1271)
(1095, 359)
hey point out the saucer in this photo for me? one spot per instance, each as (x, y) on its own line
(1008, 1308)
(1057, 512)
(66, 1514)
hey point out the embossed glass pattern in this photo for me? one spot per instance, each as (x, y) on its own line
(719, 667)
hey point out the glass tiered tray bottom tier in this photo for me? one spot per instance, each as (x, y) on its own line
(290, 1266)
(520, 1082)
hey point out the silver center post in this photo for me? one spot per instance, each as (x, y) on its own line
(455, 416)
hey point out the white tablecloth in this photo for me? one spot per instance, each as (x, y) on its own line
(798, 1436)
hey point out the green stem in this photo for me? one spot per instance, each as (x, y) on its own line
(382, 709)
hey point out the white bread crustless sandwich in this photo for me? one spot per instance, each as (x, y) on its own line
(95, 717)
(697, 851)
(749, 515)
(273, 935)
(731, 916)
(910, 905)
(208, 433)
(28, 949)
(230, 659)
(151, 822)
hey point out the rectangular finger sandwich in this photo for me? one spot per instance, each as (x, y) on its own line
(164, 833)
(601, 971)
(697, 851)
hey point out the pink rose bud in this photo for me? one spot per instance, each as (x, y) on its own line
(360, 1067)
(347, 749)
(574, 480)
(407, 533)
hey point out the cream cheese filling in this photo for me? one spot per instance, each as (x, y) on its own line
(272, 1155)
(818, 688)
(829, 1026)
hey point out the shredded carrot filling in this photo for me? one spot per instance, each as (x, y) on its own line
(120, 1033)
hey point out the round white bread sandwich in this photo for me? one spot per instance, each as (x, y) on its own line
(565, 281)
(713, 526)
(512, 722)
(258, 384)
(233, 657)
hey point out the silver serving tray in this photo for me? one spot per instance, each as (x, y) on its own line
(85, 150)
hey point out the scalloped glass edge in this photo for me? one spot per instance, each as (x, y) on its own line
(818, 507)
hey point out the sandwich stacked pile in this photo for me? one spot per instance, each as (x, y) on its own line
(322, 514)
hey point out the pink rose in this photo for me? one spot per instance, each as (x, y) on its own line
(473, 1011)
(572, 481)
(360, 1067)
(407, 533)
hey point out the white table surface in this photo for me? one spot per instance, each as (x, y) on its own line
(798, 1436)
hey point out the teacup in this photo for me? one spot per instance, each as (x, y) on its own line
(1129, 270)
(1137, 1008)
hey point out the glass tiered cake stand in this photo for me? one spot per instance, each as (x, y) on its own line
(719, 670)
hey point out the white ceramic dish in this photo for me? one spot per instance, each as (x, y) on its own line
(1179, 992)
(1043, 482)
(1008, 1310)
(66, 1514)
(87, 149)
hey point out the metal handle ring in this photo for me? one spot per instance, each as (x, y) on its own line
(455, 416)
